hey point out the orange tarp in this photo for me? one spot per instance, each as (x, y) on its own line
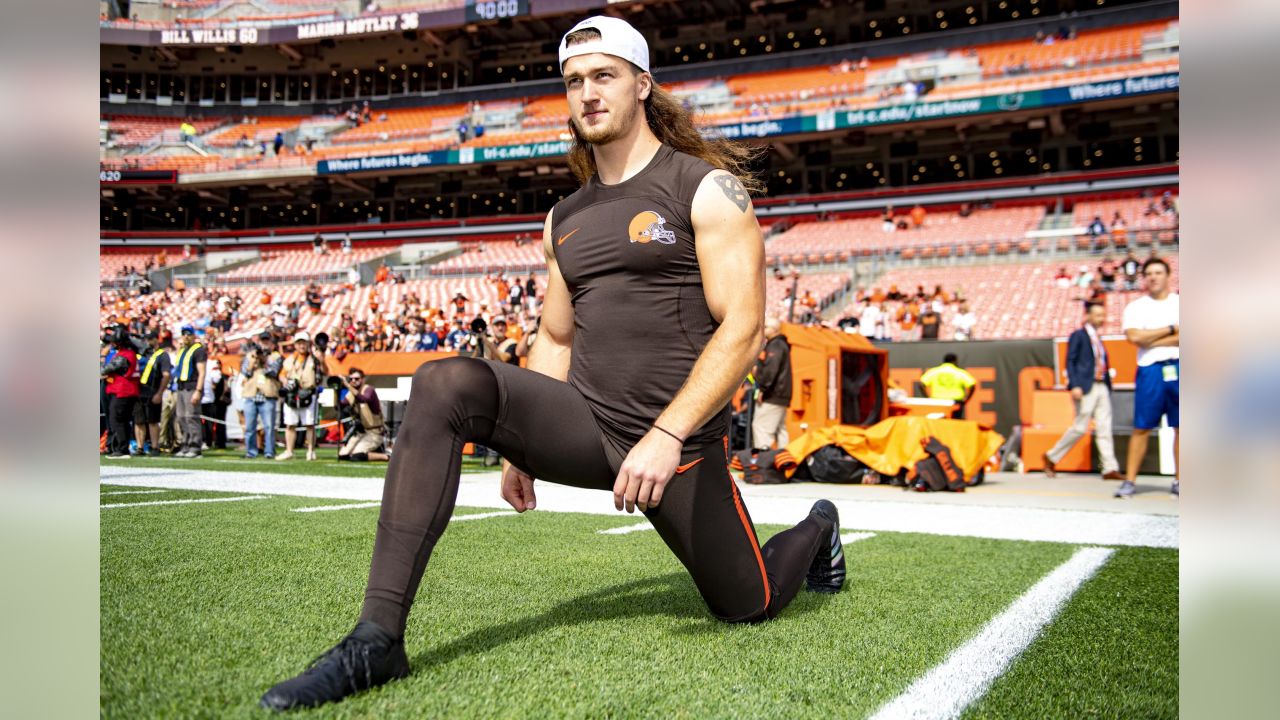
(896, 443)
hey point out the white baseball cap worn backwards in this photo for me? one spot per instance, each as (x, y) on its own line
(617, 38)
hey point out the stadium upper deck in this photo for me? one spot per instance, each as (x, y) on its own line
(771, 101)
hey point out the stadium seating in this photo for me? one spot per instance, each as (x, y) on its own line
(406, 123)
(836, 241)
(548, 110)
(293, 264)
(111, 264)
(1104, 45)
(494, 256)
(133, 130)
(1009, 300)
(1133, 210)
(821, 286)
(1007, 67)
(262, 128)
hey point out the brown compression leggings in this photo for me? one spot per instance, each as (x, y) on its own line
(545, 427)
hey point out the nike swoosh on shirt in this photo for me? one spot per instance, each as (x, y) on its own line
(566, 236)
(681, 469)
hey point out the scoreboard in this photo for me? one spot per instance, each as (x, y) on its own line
(480, 10)
(137, 177)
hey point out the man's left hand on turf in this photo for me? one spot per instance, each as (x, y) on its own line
(645, 473)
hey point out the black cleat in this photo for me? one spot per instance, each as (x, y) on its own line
(366, 658)
(826, 574)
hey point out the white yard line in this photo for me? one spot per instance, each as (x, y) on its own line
(183, 502)
(852, 537)
(627, 529)
(135, 492)
(480, 490)
(324, 508)
(945, 691)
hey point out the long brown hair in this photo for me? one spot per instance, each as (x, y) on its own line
(674, 126)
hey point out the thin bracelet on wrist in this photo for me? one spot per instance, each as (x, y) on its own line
(656, 426)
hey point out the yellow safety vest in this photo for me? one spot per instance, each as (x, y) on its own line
(947, 382)
(184, 362)
(146, 373)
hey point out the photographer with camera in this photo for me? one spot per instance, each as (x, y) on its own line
(302, 381)
(367, 439)
(498, 346)
(120, 370)
(261, 389)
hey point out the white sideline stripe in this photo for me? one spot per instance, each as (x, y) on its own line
(480, 490)
(183, 502)
(852, 537)
(356, 506)
(135, 492)
(945, 691)
(627, 529)
(323, 508)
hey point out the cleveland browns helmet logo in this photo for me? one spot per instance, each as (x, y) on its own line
(649, 225)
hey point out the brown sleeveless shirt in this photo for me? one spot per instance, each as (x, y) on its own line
(640, 317)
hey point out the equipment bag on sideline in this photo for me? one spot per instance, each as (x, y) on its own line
(831, 464)
(936, 472)
(757, 467)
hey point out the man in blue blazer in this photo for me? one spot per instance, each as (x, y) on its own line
(1089, 381)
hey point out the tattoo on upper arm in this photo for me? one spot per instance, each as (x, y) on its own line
(734, 191)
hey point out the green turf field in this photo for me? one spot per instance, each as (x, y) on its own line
(204, 606)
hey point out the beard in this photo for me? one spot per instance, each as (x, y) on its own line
(619, 124)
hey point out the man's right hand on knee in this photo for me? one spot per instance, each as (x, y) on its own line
(517, 487)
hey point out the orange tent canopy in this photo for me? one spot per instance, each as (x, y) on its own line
(826, 367)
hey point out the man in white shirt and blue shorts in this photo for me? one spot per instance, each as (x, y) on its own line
(1151, 323)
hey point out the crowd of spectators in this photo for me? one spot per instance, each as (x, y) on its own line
(411, 325)
(1108, 276)
(140, 326)
(895, 315)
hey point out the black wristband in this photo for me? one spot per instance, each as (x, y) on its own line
(660, 428)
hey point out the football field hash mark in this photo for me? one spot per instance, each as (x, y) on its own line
(945, 691)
